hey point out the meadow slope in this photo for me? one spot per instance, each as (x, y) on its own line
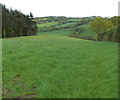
(59, 67)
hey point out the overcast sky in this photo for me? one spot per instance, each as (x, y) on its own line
(69, 8)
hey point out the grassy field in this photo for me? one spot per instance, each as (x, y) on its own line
(67, 25)
(64, 32)
(53, 65)
(47, 24)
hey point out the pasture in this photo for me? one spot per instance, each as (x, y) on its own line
(67, 25)
(54, 66)
(58, 56)
(64, 32)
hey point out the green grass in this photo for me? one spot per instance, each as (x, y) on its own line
(64, 32)
(59, 67)
(67, 25)
(47, 24)
(87, 31)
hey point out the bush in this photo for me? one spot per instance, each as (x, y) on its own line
(111, 34)
(78, 30)
(100, 26)
(84, 21)
(116, 35)
(88, 38)
(74, 35)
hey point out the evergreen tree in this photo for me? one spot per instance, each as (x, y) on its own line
(15, 23)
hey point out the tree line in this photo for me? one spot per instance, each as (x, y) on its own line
(15, 23)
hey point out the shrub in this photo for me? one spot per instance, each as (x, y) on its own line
(88, 38)
(116, 35)
(74, 35)
(78, 30)
(111, 34)
(100, 25)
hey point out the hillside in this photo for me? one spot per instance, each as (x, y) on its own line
(54, 65)
(50, 65)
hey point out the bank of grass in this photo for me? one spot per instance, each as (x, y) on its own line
(61, 67)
